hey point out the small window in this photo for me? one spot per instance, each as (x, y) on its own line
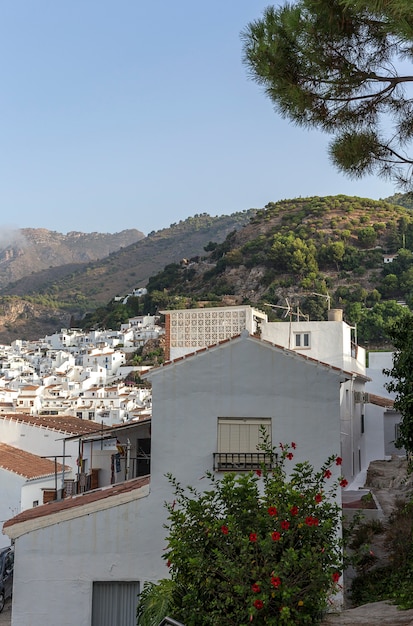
(238, 441)
(35, 503)
(114, 603)
(362, 423)
(396, 432)
(302, 340)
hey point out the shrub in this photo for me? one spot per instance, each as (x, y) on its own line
(260, 547)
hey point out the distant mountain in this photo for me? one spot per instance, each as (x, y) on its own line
(30, 250)
(74, 288)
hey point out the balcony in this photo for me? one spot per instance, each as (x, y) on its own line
(243, 461)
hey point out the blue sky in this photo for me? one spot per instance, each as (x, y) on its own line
(138, 114)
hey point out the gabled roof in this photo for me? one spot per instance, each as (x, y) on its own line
(25, 463)
(59, 423)
(245, 336)
(76, 506)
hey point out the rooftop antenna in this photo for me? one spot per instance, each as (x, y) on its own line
(287, 309)
(301, 314)
(323, 295)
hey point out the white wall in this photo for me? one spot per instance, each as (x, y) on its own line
(380, 423)
(10, 488)
(331, 342)
(243, 378)
(32, 490)
(56, 566)
(54, 571)
(37, 440)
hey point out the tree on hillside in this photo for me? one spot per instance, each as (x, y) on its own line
(339, 66)
(401, 382)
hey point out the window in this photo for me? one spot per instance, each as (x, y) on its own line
(302, 340)
(91, 415)
(396, 432)
(362, 423)
(114, 603)
(238, 440)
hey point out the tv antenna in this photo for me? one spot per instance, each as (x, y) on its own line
(323, 295)
(287, 309)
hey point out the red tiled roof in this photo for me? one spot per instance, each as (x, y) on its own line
(78, 501)
(294, 353)
(386, 403)
(25, 463)
(60, 423)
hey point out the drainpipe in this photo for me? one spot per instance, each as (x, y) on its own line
(63, 470)
(127, 465)
(351, 423)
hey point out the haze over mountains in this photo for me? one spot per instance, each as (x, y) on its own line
(63, 275)
(30, 250)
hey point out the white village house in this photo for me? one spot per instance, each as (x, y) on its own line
(26, 479)
(83, 560)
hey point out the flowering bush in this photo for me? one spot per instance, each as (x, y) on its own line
(261, 547)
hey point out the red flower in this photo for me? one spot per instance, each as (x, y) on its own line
(258, 604)
(256, 588)
(290, 456)
(293, 445)
(285, 525)
(343, 483)
(339, 460)
(272, 511)
(281, 446)
(258, 472)
(224, 530)
(168, 564)
(275, 536)
(318, 498)
(327, 474)
(315, 521)
(309, 520)
(276, 581)
(336, 577)
(294, 510)
(253, 537)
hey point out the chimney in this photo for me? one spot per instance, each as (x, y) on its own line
(335, 315)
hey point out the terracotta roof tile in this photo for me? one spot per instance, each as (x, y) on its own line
(294, 353)
(60, 423)
(78, 501)
(386, 403)
(25, 463)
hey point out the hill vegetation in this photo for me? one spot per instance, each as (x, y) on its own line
(305, 254)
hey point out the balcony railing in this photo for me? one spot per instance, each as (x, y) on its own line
(243, 461)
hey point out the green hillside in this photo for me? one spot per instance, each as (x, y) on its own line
(307, 252)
